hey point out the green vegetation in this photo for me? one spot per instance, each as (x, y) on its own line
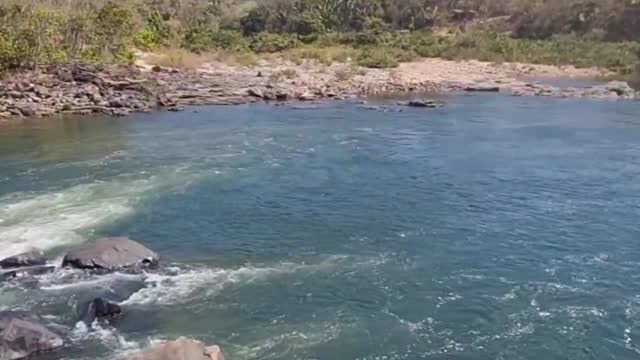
(370, 33)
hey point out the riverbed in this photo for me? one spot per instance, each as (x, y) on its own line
(491, 228)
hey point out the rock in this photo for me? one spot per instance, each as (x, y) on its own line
(620, 88)
(423, 103)
(99, 309)
(156, 68)
(282, 95)
(181, 349)
(28, 109)
(481, 88)
(7, 315)
(31, 258)
(306, 96)
(23, 338)
(255, 92)
(42, 91)
(110, 254)
(15, 94)
(215, 353)
(92, 93)
(176, 108)
(25, 271)
(165, 101)
(120, 112)
(118, 103)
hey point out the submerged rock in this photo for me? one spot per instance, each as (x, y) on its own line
(31, 258)
(99, 309)
(181, 349)
(482, 88)
(110, 254)
(23, 336)
(423, 103)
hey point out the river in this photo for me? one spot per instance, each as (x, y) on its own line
(492, 228)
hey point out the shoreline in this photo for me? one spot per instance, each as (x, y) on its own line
(119, 90)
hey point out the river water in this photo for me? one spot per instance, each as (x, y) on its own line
(492, 228)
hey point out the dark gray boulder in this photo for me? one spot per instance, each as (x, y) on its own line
(22, 336)
(30, 258)
(99, 308)
(111, 254)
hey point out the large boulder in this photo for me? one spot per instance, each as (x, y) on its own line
(99, 309)
(181, 349)
(110, 254)
(31, 258)
(23, 336)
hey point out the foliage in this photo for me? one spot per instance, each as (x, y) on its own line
(272, 43)
(377, 33)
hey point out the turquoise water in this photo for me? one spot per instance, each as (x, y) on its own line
(492, 228)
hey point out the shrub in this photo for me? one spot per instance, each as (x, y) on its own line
(229, 40)
(378, 58)
(272, 43)
(146, 39)
(113, 30)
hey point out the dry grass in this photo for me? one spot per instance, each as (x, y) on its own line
(176, 58)
(245, 59)
(180, 58)
(283, 74)
(324, 55)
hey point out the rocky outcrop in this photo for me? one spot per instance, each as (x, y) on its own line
(99, 309)
(111, 254)
(22, 336)
(31, 258)
(181, 349)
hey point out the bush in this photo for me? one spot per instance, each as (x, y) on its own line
(272, 43)
(198, 38)
(146, 39)
(379, 58)
(229, 40)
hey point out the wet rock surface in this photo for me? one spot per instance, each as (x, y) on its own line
(22, 335)
(30, 258)
(100, 309)
(180, 349)
(111, 254)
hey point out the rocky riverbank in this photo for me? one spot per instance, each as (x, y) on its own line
(119, 91)
(25, 334)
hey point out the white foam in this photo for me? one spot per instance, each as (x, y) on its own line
(48, 220)
(64, 279)
(105, 334)
(289, 339)
(185, 285)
